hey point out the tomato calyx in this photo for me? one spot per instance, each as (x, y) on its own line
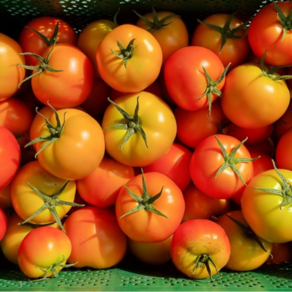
(285, 192)
(145, 202)
(132, 124)
(225, 31)
(211, 86)
(125, 53)
(230, 160)
(204, 259)
(156, 24)
(50, 203)
(249, 233)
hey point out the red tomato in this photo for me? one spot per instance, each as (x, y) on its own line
(266, 147)
(97, 241)
(200, 248)
(186, 80)
(281, 253)
(5, 198)
(44, 252)
(151, 212)
(283, 154)
(3, 223)
(30, 41)
(284, 123)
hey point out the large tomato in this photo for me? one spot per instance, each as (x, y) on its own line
(10, 73)
(200, 248)
(135, 135)
(129, 58)
(150, 207)
(97, 241)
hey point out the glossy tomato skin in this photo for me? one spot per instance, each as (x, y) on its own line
(97, 240)
(11, 74)
(262, 210)
(235, 50)
(208, 158)
(185, 79)
(194, 238)
(3, 223)
(270, 98)
(157, 120)
(41, 248)
(246, 253)
(171, 37)
(141, 70)
(145, 226)
(283, 154)
(31, 42)
(265, 34)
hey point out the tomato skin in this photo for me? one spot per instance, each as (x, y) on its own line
(11, 74)
(31, 42)
(3, 223)
(270, 98)
(145, 226)
(262, 210)
(196, 237)
(102, 186)
(41, 248)
(246, 253)
(281, 253)
(99, 242)
(157, 120)
(208, 158)
(283, 154)
(235, 50)
(265, 34)
(141, 70)
(285, 122)
(5, 198)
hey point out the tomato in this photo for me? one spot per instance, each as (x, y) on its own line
(281, 253)
(266, 205)
(37, 196)
(44, 252)
(284, 123)
(76, 148)
(97, 241)
(202, 206)
(213, 166)
(270, 97)
(153, 253)
(283, 154)
(153, 115)
(175, 164)
(195, 126)
(200, 248)
(10, 73)
(150, 207)
(129, 58)
(248, 252)
(9, 157)
(187, 81)
(169, 30)
(270, 31)
(3, 223)
(102, 186)
(228, 40)
(30, 41)
(5, 198)
(91, 36)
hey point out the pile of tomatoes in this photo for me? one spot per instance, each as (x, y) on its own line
(148, 138)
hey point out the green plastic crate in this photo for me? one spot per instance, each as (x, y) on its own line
(130, 274)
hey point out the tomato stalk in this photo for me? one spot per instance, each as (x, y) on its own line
(132, 124)
(125, 53)
(50, 203)
(205, 259)
(230, 160)
(145, 202)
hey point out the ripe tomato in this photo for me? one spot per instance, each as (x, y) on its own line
(9, 157)
(187, 81)
(283, 154)
(216, 169)
(129, 58)
(44, 252)
(228, 40)
(157, 122)
(97, 241)
(248, 251)
(284, 123)
(150, 207)
(10, 73)
(30, 41)
(281, 253)
(3, 224)
(169, 30)
(200, 248)
(270, 31)
(270, 97)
